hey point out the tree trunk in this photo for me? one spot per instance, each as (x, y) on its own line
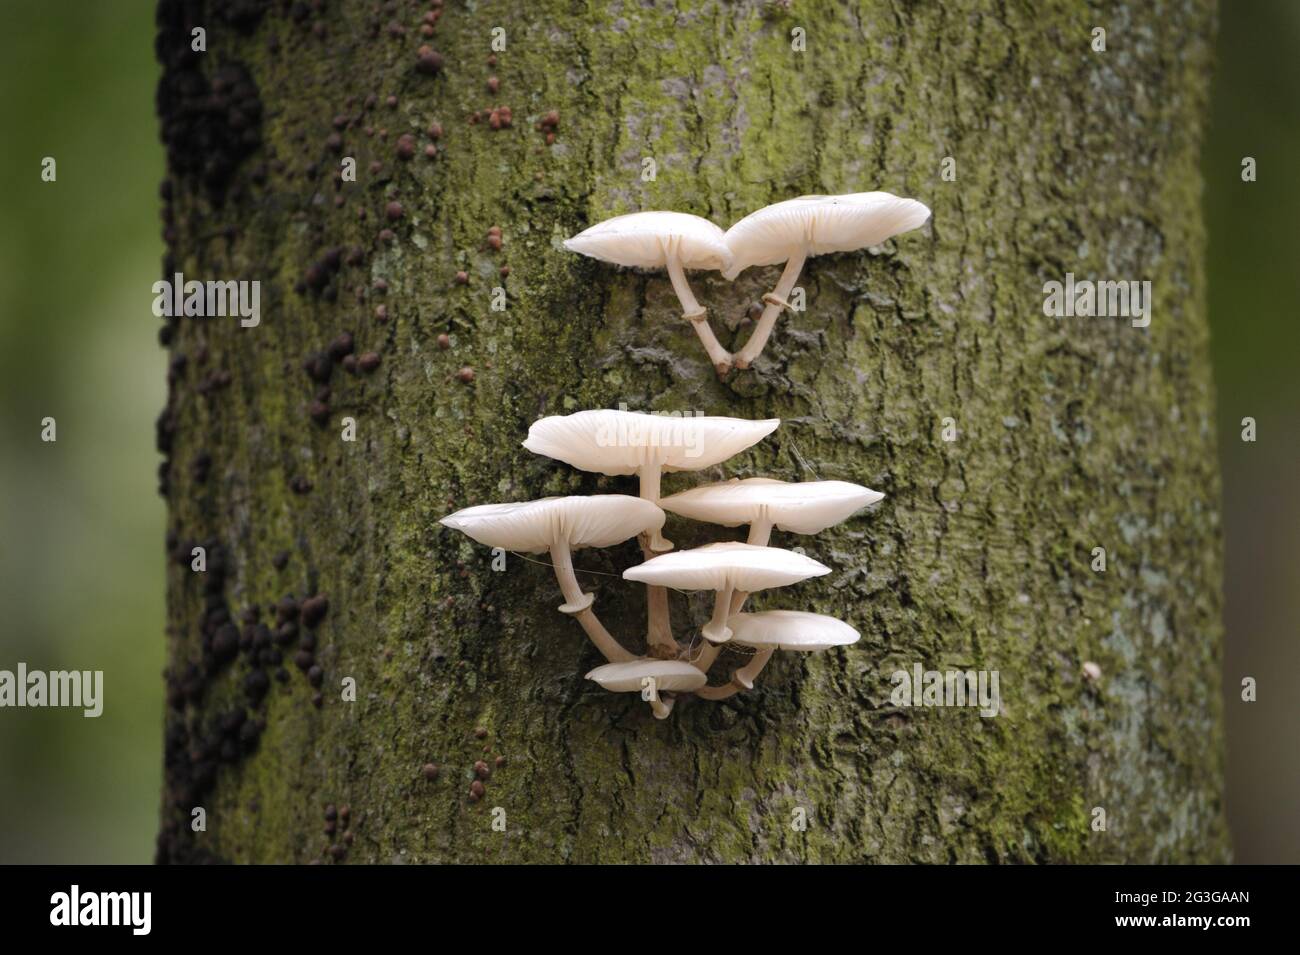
(1071, 433)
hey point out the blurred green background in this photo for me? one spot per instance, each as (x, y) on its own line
(81, 527)
(81, 524)
(1254, 299)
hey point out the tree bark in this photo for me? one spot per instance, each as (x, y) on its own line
(1071, 434)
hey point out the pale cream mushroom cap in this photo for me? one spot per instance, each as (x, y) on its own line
(622, 442)
(815, 225)
(668, 675)
(601, 520)
(727, 565)
(790, 630)
(800, 508)
(646, 239)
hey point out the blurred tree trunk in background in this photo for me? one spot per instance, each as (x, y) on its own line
(1072, 434)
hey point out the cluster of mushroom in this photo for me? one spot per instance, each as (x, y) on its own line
(788, 232)
(623, 443)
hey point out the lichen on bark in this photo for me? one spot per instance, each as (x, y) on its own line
(1072, 433)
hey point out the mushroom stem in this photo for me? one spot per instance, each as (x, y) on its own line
(610, 648)
(578, 605)
(708, 653)
(649, 475)
(694, 313)
(723, 692)
(742, 679)
(737, 601)
(760, 533)
(659, 633)
(774, 303)
(575, 600)
(658, 704)
(716, 630)
(746, 675)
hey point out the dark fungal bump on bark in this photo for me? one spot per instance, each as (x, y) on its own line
(318, 366)
(428, 61)
(287, 608)
(314, 609)
(210, 122)
(341, 346)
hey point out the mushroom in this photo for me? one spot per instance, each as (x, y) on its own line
(791, 231)
(560, 525)
(803, 508)
(779, 630)
(652, 675)
(630, 442)
(724, 568)
(672, 240)
(807, 507)
(627, 442)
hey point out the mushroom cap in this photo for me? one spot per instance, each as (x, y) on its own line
(600, 520)
(621, 442)
(667, 674)
(646, 239)
(719, 566)
(803, 508)
(790, 630)
(816, 225)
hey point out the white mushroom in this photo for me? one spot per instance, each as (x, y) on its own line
(808, 507)
(790, 630)
(658, 240)
(649, 677)
(779, 630)
(793, 230)
(627, 442)
(724, 568)
(561, 525)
